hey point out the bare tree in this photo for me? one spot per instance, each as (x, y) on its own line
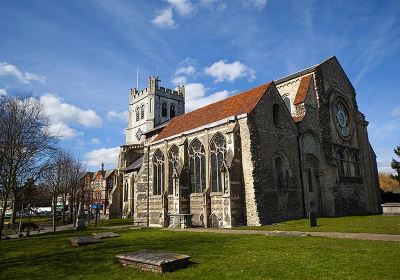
(26, 145)
(75, 188)
(55, 180)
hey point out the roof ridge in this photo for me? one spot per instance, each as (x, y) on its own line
(243, 102)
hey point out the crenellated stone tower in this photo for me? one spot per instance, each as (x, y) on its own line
(152, 107)
(149, 108)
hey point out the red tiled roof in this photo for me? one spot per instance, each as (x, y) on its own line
(235, 105)
(303, 89)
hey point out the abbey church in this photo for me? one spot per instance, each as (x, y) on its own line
(269, 154)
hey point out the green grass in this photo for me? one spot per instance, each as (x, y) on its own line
(214, 256)
(111, 222)
(369, 224)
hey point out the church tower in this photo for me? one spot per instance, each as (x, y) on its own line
(152, 107)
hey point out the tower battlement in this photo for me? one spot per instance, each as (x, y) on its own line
(151, 107)
(154, 88)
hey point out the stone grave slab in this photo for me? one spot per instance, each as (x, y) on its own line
(102, 235)
(82, 240)
(287, 234)
(136, 227)
(154, 261)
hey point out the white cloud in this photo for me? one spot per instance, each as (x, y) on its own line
(3, 91)
(259, 4)
(195, 94)
(95, 141)
(59, 111)
(122, 116)
(396, 112)
(63, 131)
(183, 7)
(186, 70)
(105, 155)
(7, 69)
(224, 71)
(164, 19)
(179, 80)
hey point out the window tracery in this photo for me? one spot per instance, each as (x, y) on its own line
(197, 166)
(164, 111)
(158, 172)
(218, 152)
(172, 111)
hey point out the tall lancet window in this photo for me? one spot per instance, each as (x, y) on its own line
(173, 156)
(172, 111)
(164, 110)
(197, 166)
(158, 172)
(218, 151)
(137, 114)
(286, 100)
(142, 112)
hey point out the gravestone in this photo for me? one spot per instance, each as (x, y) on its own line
(102, 235)
(312, 218)
(82, 240)
(154, 261)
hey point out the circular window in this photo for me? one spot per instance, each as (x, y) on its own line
(341, 118)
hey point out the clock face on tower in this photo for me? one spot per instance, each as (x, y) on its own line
(341, 118)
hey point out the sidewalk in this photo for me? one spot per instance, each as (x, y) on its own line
(359, 236)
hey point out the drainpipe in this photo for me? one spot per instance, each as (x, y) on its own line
(301, 176)
(148, 186)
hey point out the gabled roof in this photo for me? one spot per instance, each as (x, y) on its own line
(242, 103)
(303, 89)
(108, 173)
(135, 165)
(102, 173)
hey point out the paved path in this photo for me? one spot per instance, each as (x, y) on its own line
(361, 236)
(45, 230)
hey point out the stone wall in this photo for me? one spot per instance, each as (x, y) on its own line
(268, 141)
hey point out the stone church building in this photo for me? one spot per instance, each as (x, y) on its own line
(269, 154)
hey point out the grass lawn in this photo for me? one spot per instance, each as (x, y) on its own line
(109, 223)
(369, 224)
(214, 256)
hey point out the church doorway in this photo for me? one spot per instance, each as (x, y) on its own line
(312, 188)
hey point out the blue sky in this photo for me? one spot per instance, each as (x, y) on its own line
(80, 57)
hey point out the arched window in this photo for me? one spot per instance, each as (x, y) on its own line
(126, 192)
(173, 156)
(137, 114)
(197, 166)
(340, 159)
(286, 100)
(142, 112)
(164, 112)
(356, 159)
(158, 172)
(172, 111)
(281, 173)
(218, 151)
(275, 114)
(310, 180)
(347, 163)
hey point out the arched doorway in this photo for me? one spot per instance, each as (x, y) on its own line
(312, 184)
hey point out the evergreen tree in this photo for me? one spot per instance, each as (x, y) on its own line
(396, 164)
